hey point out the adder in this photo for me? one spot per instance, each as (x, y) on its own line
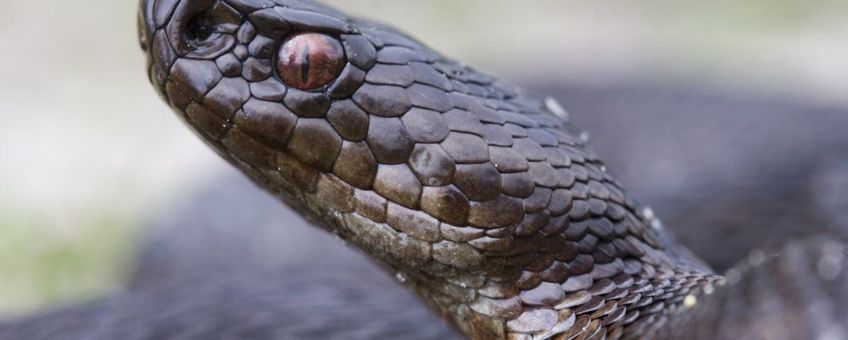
(482, 198)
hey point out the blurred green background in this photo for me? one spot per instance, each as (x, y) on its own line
(88, 153)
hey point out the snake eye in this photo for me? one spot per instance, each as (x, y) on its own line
(199, 29)
(203, 29)
(309, 61)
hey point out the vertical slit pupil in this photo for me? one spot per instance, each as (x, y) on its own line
(304, 65)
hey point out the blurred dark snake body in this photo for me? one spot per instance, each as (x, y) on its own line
(483, 199)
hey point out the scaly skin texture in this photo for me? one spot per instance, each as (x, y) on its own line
(483, 199)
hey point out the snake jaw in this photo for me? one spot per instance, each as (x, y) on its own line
(492, 207)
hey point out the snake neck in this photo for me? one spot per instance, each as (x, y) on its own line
(533, 289)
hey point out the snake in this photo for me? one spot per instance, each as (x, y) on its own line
(483, 199)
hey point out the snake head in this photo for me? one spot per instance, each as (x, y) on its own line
(267, 69)
(334, 114)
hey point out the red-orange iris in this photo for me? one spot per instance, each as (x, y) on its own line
(308, 61)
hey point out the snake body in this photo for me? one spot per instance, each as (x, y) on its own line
(483, 199)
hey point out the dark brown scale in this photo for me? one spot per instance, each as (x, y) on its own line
(494, 135)
(479, 182)
(397, 75)
(389, 141)
(261, 47)
(515, 131)
(518, 185)
(581, 264)
(432, 165)
(425, 126)
(502, 232)
(398, 184)
(466, 148)
(446, 203)
(462, 121)
(491, 244)
(315, 142)
(430, 98)
(461, 234)
(348, 82)
(268, 122)
(508, 160)
(252, 151)
(557, 272)
(371, 205)
(337, 193)
(229, 65)
(588, 243)
(542, 137)
(530, 149)
(579, 191)
(360, 51)
(254, 69)
(399, 55)
(540, 199)
(457, 255)
(240, 52)
(349, 120)
(499, 212)
(308, 18)
(212, 125)
(532, 223)
(529, 280)
(270, 89)
(567, 250)
(565, 178)
(190, 80)
(487, 115)
(602, 287)
(557, 225)
(520, 120)
(414, 223)
(425, 74)
(269, 23)
(560, 202)
(383, 100)
(577, 283)
(227, 97)
(246, 33)
(307, 104)
(557, 157)
(579, 210)
(356, 165)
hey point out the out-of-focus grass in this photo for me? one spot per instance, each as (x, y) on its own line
(87, 149)
(42, 266)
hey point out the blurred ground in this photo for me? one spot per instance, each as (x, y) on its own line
(88, 153)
